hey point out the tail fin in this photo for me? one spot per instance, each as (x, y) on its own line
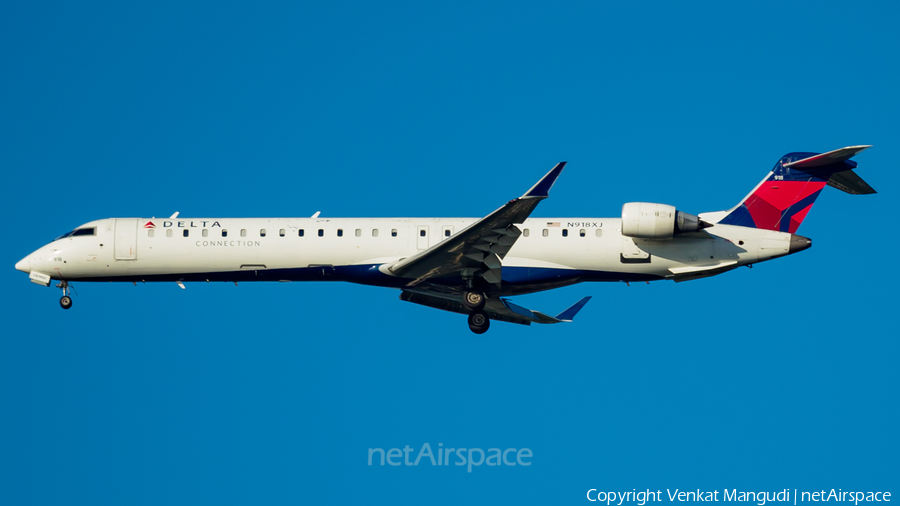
(785, 196)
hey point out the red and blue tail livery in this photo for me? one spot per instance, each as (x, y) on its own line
(783, 199)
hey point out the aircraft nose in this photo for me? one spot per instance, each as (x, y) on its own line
(24, 264)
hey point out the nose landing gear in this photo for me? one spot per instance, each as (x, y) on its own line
(65, 302)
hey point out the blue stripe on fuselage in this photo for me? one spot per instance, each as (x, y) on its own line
(515, 279)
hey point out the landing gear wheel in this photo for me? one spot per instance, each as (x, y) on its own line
(479, 322)
(65, 301)
(473, 300)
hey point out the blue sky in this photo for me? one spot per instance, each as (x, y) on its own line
(783, 376)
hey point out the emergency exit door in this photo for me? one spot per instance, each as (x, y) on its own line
(422, 237)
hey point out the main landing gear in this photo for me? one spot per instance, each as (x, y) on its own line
(478, 320)
(65, 302)
(473, 300)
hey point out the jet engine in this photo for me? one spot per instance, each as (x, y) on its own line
(647, 220)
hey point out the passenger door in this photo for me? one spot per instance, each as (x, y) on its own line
(126, 239)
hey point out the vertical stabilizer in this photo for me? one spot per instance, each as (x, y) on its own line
(784, 198)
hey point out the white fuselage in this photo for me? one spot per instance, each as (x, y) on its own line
(551, 252)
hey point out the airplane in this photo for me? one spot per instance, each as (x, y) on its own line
(463, 265)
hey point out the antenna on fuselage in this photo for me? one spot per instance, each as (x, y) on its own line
(174, 216)
(314, 216)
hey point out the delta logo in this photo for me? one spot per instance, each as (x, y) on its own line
(149, 225)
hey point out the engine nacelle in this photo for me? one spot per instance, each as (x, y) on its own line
(647, 220)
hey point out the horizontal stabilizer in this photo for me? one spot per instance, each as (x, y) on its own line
(829, 158)
(832, 168)
(850, 182)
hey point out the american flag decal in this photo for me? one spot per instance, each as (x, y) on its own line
(552, 223)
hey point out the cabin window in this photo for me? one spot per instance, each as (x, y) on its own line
(565, 232)
(422, 233)
(393, 232)
(447, 233)
(300, 233)
(321, 232)
(359, 232)
(526, 233)
(262, 232)
(599, 232)
(582, 233)
(340, 232)
(186, 232)
(205, 233)
(281, 233)
(224, 232)
(169, 233)
(374, 232)
(545, 233)
(150, 232)
(243, 232)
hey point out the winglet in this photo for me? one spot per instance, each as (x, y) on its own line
(570, 313)
(542, 189)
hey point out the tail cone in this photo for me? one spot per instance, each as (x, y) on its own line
(799, 243)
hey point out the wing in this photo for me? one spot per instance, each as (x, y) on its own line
(497, 308)
(476, 251)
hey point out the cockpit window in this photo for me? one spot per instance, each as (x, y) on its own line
(78, 232)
